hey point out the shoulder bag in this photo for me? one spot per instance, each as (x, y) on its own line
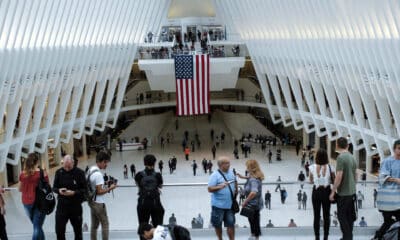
(249, 210)
(235, 204)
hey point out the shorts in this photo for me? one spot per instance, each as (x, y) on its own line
(226, 215)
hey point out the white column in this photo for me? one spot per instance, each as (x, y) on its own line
(16, 171)
(45, 159)
(356, 155)
(328, 148)
(57, 154)
(317, 143)
(3, 177)
(368, 164)
(305, 139)
(69, 147)
(84, 146)
(109, 141)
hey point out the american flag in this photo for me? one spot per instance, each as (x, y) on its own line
(192, 73)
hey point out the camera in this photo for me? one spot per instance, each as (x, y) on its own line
(109, 180)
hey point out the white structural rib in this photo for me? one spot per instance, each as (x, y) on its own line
(64, 67)
(325, 66)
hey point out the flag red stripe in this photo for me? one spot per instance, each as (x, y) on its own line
(204, 102)
(198, 87)
(181, 97)
(187, 97)
(193, 98)
(176, 98)
(208, 84)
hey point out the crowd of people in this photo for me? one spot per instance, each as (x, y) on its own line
(330, 185)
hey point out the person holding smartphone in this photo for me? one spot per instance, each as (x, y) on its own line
(69, 184)
(223, 188)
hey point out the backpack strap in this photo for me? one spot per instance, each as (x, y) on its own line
(41, 174)
(90, 184)
(42, 178)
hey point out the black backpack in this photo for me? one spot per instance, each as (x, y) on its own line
(393, 233)
(90, 193)
(149, 185)
(301, 177)
(44, 199)
(178, 232)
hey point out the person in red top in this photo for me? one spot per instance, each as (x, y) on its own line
(29, 179)
(187, 152)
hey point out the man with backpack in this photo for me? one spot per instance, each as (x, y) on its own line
(96, 189)
(70, 185)
(169, 232)
(149, 203)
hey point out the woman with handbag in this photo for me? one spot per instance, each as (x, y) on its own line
(322, 175)
(29, 179)
(252, 205)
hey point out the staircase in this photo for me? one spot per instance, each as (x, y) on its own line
(199, 125)
(243, 123)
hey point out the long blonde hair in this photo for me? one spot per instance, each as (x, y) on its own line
(254, 169)
(30, 164)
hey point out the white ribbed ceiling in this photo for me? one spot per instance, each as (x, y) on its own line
(330, 66)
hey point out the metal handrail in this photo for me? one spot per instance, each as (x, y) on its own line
(203, 184)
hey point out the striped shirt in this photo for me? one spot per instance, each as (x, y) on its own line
(388, 198)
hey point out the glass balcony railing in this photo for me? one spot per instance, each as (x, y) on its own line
(221, 51)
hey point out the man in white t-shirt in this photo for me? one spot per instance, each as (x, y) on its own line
(97, 204)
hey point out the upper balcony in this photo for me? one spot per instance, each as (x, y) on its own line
(157, 60)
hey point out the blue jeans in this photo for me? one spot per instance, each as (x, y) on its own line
(37, 219)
